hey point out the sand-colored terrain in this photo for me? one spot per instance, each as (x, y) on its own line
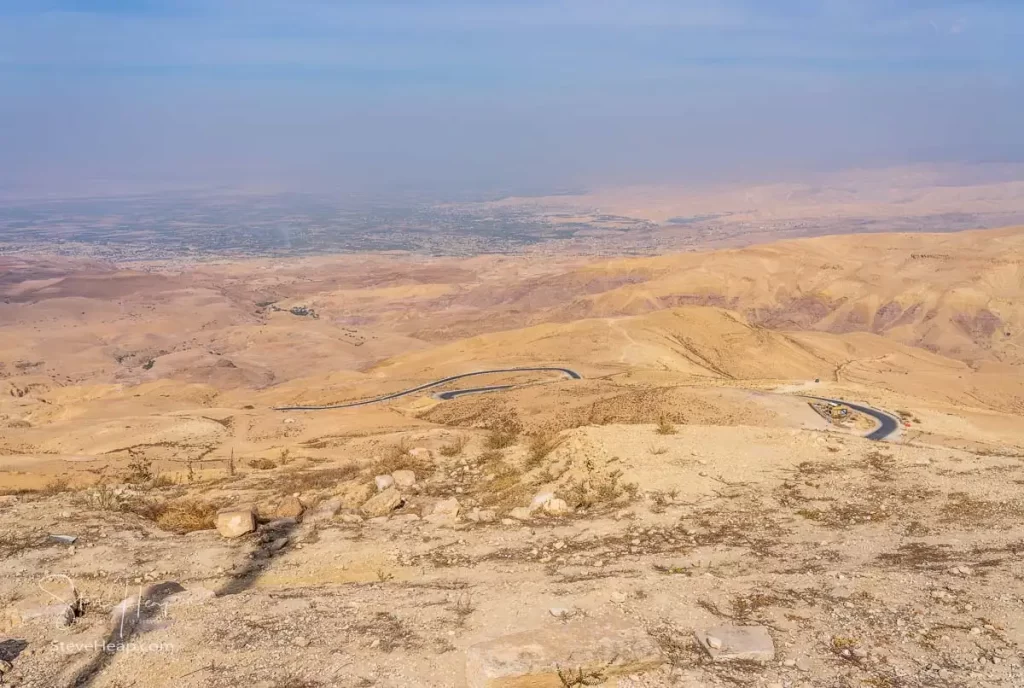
(699, 486)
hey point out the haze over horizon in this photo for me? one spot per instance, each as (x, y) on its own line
(451, 96)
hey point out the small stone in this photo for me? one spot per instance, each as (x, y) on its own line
(404, 479)
(619, 596)
(236, 521)
(5, 666)
(737, 643)
(556, 507)
(383, 482)
(324, 511)
(447, 509)
(789, 663)
(521, 513)
(382, 504)
(560, 612)
(301, 642)
(278, 544)
(478, 515)
(541, 500)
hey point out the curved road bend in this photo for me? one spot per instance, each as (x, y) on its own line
(451, 394)
(887, 423)
(571, 374)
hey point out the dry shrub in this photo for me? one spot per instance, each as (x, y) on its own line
(507, 489)
(541, 445)
(455, 447)
(665, 426)
(599, 489)
(184, 516)
(57, 486)
(504, 431)
(262, 464)
(398, 457)
(292, 481)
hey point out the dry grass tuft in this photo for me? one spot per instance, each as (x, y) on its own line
(665, 426)
(506, 489)
(504, 431)
(291, 481)
(455, 447)
(262, 464)
(185, 516)
(57, 486)
(541, 445)
(398, 457)
(600, 489)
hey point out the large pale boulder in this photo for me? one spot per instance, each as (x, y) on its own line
(404, 479)
(236, 521)
(552, 657)
(290, 507)
(382, 504)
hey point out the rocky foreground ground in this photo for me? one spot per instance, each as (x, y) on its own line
(604, 556)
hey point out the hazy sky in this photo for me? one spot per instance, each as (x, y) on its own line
(505, 93)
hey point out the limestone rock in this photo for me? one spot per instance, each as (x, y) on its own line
(290, 507)
(382, 504)
(383, 482)
(446, 507)
(404, 479)
(55, 615)
(324, 511)
(478, 515)
(521, 513)
(556, 507)
(607, 647)
(236, 521)
(541, 500)
(737, 643)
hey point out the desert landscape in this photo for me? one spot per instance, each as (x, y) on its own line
(793, 463)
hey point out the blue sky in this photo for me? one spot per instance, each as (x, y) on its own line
(451, 93)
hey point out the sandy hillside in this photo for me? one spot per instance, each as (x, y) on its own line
(668, 472)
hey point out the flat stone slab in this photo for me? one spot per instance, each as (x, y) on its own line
(236, 521)
(737, 643)
(596, 649)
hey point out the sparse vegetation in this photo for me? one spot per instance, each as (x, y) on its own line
(665, 426)
(140, 470)
(184, 516)
(455, 447)
(541, 445)
(397, 457)
(57, 486)
(262, 464)
(503, 432)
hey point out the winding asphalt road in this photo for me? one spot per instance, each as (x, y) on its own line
(887, 423)
(571, 374)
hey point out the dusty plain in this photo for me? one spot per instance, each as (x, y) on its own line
(693, 484)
